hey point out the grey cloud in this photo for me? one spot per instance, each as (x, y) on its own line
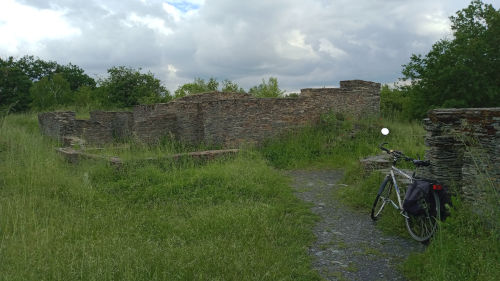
(246, 41)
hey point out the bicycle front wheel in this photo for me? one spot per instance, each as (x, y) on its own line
(382, 198)
(422, 227)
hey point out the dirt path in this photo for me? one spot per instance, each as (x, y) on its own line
(348, 245)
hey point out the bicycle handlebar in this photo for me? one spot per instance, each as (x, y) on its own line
(400, 155)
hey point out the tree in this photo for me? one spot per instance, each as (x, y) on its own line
(463, 71)
(127, 87)
(229, 86)
(36, 68)
(50, 92)
(200, 86)
(14, 87)
(394, 102)
(267, 90)
(75, 76)
(197, 86)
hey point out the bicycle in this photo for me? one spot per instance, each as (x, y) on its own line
(421, 226)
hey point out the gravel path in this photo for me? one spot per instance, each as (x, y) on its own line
(348, 246)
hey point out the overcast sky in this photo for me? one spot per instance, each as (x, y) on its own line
(304, 43)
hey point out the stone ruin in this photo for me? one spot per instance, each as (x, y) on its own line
(464, 144)
(226, 119)
(461, 142)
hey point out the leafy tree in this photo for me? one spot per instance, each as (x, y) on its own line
(86, 97)
(14, 86)
(197, 86)
(229, 86)
(36, 68)
(17, 76)
(50, 92)
(394, 102)
(127, 87)
(200, 86)
(463, 71)
(267, 90)
(75, 76)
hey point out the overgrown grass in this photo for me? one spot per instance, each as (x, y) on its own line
(340, 141)
(233, 219)
(466, 247)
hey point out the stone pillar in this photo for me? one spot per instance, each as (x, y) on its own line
(464, 148)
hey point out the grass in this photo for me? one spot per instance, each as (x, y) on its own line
(233, 219)
(467, 246)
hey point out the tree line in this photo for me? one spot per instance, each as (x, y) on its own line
(30, 83)
(462, 71)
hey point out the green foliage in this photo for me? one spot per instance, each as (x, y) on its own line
(267, 90)
(14, 87)
(462, 72)
(234, 219)
(394, 103)
(200, 86)
(17, 77)
(231, 87)
(50, 92)
(75, 76)
(197, 86)
(36, 68)
(126, 87)
(340, 141)
(466, 247)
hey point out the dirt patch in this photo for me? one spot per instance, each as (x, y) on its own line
(348, 246)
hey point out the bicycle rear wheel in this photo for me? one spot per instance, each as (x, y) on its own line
(382, 198)
(422, 227)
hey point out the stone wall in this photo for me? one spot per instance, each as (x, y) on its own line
(102, 126)
(462, 143)
(217, 118)
(57, 124)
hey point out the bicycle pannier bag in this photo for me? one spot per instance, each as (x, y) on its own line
(418, 193)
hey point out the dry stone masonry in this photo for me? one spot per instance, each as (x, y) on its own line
(228, 119)
(464, 147)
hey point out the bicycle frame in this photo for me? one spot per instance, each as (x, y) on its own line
(396, 187)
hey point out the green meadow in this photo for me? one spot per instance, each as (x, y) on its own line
(234, 218)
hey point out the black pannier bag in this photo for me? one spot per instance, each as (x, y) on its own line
(417, 196)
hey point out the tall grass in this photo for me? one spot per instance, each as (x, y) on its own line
(233, 219)
(341, 141)
(467, 247)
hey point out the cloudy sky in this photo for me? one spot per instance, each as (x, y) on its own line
(304, 43)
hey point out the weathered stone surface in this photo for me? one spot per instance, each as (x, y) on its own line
(464, 144)
(228, 119)
(377, 162)
(73, 155)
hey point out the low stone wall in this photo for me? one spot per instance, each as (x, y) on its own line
(464, 144)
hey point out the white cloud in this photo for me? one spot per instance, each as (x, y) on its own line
(294, 46)
(28, 26)
(326, 46)
(154, 23)
(435, 25)
(172, 11)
